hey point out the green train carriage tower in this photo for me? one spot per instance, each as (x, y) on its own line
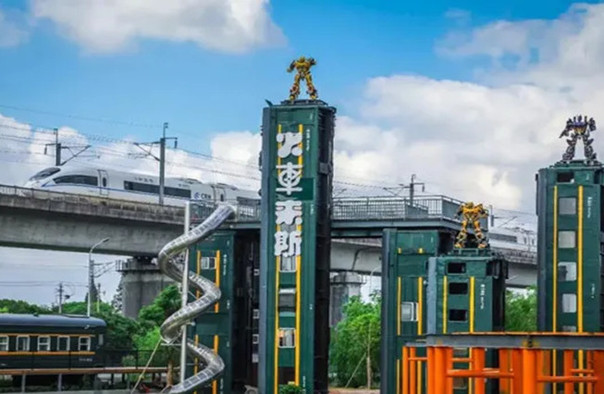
(571, 238)
(297, 171)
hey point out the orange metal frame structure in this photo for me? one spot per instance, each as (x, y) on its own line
(527, 363)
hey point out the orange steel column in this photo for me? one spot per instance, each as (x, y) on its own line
(431, 370)
(540, 369)
(448, 367)
(478, 366)
(569, 387)
(412, 372)
(598, 366)
(590, 365)
(405, 370)
(504, 367)
(440, 371)
(517, 371)
(529, 372)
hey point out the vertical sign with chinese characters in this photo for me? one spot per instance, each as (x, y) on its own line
(295, 244)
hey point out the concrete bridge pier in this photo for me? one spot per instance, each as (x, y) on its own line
(343, 286)
(141, 282)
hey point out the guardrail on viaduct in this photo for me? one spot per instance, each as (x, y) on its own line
(344, 209)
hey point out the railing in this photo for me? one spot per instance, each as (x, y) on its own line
(75, 359)
(357, 209)
(527, 363)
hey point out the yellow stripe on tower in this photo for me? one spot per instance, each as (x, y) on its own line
(298, 314)
(420, 310)
(215, 382)
(580, 278)
(472, 282)
(217, 280)
(445, 304)
(555, 265)
(398, 306)
(580, 263)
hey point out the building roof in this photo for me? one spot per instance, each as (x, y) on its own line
(11, 319)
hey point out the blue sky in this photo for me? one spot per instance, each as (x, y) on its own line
(201, 92)
(469, 96)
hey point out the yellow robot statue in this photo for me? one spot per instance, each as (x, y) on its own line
(471, 213)
(302, 65)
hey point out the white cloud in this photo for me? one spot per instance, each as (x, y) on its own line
(483, 140)
(11, 32)
(106, 26)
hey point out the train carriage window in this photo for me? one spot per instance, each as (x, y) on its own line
(3, 343)
(23, 343)
(43, 344)
(77, 180)
(84, 344)
(287, 337)
(63, 344)
(175, 192)
(141, 187)
(45, 173)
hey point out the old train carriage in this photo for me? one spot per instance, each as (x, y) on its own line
(50, 341)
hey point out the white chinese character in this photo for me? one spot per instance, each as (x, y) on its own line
(289, 144)
(288, 244)
(289, 178)
(288, 212)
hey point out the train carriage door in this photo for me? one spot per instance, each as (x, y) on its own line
(103, 183)
(219, 193)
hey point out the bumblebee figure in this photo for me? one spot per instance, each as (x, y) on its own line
(580, 127)
(471, 214)
(302, 65)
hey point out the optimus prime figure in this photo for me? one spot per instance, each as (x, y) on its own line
(302, 65)
(579, 127)
(471, 214)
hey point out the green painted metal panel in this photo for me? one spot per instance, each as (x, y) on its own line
(570, 293)
(296, 208)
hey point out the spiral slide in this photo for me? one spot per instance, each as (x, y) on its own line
(171, 328)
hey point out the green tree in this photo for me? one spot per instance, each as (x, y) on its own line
(166, 303)
(18, 306)
(357, 333)
(290, 389)
(521, 311)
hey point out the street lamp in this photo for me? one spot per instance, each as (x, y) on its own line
(91, 273)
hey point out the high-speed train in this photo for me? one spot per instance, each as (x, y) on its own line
(92, 181)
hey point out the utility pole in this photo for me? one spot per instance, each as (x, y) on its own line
(411, 188)
(59, 148)
(98, 299)
(61, 297)
(91, 274)
(161, 159)
(162, 164)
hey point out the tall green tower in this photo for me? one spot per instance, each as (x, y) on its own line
(297, 171)
(571, 238)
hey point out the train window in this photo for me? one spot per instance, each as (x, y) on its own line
(84, 344)
(287, 337)
(288, 264)
(104, 182)
(567, 271)
(77, 180)
(173, 191)
(569, 303)
(23, 343)
(567, 205)
(287, 298)
(208, 263)
(43, 344)
(63, 344)
(45, 173)
(408, 311)
(141, 187)
(566, 239)
(3, 343)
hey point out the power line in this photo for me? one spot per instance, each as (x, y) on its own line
(85, 118)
